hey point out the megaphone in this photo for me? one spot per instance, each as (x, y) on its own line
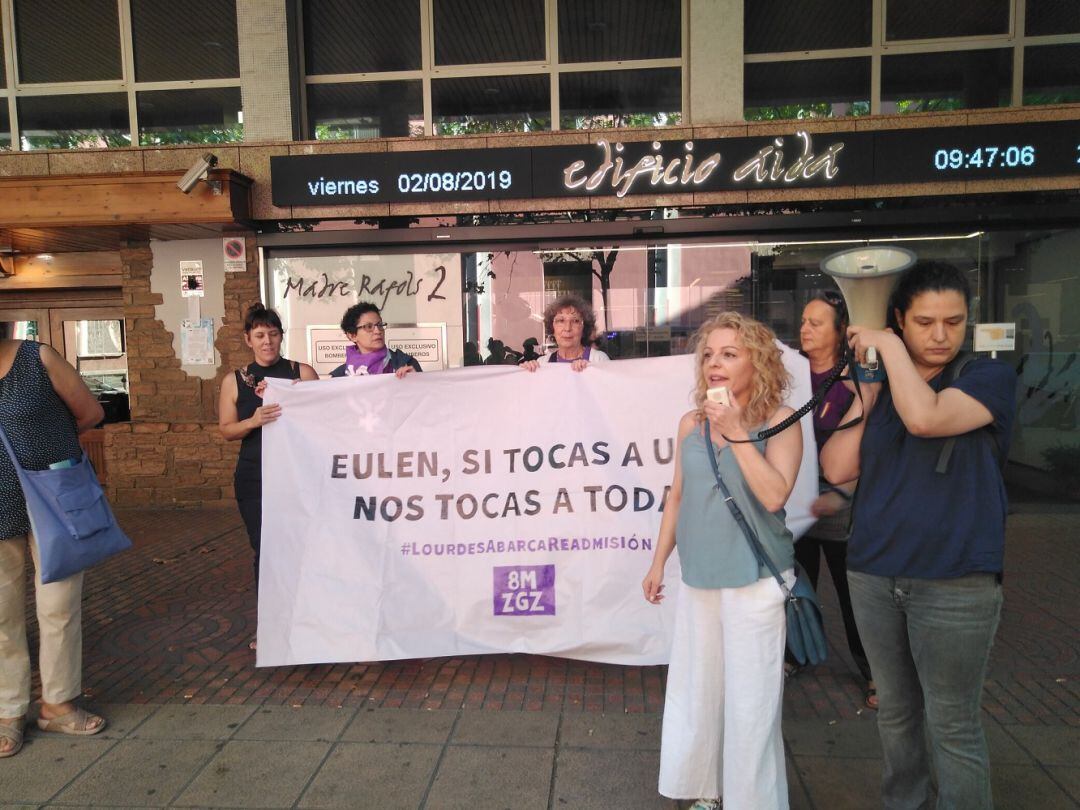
(866, 278)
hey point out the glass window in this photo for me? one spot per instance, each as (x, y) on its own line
(210, 115)
(3, 62)
(365, 110)
(85, 121)
(491, 104)
(361, 36)
(954, 80)
(609, 30)
(467, 32)
(932, 19)
(1051, 17)
(620, 98)
(773, 26)
(191, 40)
(5, 125)
(1052, 74)
(817, 88)
(67, 40)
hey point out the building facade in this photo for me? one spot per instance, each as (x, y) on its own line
(462, 162)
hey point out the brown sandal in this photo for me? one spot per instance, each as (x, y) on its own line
(13, 733)
(75, 722)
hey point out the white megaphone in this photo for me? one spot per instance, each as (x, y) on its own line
(866, 278)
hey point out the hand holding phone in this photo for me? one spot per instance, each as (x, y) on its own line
(720, 395)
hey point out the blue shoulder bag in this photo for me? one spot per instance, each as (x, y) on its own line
(69, 516)
(805, 629)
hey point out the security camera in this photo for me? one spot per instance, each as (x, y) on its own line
(197, 172)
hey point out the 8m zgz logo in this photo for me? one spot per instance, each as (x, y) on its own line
(524, 590)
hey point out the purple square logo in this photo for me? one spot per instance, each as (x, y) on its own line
(524, 590)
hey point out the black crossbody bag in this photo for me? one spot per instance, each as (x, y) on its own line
(805, 629)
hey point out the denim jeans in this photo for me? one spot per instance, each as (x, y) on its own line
(928, 641)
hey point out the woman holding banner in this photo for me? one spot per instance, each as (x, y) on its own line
(363, 325)
(721, 732)
(241, 414)
(572, 322)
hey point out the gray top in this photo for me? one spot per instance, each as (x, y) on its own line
(39, 426)
(712, 549)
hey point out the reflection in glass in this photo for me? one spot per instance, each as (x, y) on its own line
(491, 104)
(365, 110)
(955, 80)
(468, 33)
(211, 115)
(1052, 74)
(5, 126)
(361, 36)
(770, 26)
(813, 88)
(67, 40)
(620, 98)
(929, 19)
(18, 330)
(195, 39)
(610, 30)
(85, 121)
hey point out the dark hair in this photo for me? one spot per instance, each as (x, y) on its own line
(835, 301)
(353, 313)
(574, 302)
(259, 315)
(926, 276)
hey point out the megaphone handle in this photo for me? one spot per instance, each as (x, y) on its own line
(870, 363)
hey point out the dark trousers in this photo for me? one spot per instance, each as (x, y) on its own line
(251, 512)
(808, 553)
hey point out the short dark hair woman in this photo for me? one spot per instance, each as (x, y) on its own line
(44, 406)
(363, 325)
(241, 413)
(927, 544)
(572, 322)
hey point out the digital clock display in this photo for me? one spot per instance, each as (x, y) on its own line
(985, 157)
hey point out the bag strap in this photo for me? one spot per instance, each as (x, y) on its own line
(748, 532)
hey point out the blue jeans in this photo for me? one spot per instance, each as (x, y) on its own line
(928, 641)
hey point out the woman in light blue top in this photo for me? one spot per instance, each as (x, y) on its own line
(721, 734)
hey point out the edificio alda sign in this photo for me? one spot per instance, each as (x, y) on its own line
(611, 168)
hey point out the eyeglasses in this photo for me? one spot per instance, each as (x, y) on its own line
(371, 327)
(568, 322)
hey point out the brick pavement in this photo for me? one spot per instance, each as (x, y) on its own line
(169, 622)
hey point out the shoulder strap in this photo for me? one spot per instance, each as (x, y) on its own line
(751, 536)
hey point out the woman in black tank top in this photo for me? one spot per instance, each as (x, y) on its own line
(241, 413)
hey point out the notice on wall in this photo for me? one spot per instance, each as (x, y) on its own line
(326, 348)
(191, 279)
(479, 510)
(425, 341)
(234, 251)
(197, 342)
(995, 337)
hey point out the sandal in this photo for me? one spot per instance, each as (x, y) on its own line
(74, 722)
(791, 670)
(870, 701)
(707, 804)
(13, 732)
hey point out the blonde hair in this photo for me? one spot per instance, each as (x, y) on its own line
(770, 380)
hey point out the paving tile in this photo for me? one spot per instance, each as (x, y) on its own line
(46, 764)
(1050, 745)
(253, 773)
(373, 775)
(1069, 779)
(147, 772)
(400, 725)
(1003, 748)
(1027, 786)
(506, 728)
(607, 731)
(856, 738)
(123, 718)
(194, 722)
(840, 783)
(320, 723)
(472, 777)
(601, 779)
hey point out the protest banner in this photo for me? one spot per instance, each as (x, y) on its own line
(477, 510)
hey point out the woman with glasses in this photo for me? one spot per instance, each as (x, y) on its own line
(241, 413)
(572, 322)
(821, 335)
(363, 326)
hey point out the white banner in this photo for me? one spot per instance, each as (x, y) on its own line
(478, 510)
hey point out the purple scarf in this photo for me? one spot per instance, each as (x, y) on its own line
(370, 362)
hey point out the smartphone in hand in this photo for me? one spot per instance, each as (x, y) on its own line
(719, 394)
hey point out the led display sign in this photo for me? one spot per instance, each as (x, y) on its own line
(609, 167)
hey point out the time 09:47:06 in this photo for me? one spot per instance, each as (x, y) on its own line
(984, 157)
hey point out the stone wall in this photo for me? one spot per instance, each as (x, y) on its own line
(171, 452)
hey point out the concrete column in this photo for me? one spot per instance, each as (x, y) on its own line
(264, 69)
(715, 61)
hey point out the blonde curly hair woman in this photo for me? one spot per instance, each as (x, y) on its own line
(721, 734)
